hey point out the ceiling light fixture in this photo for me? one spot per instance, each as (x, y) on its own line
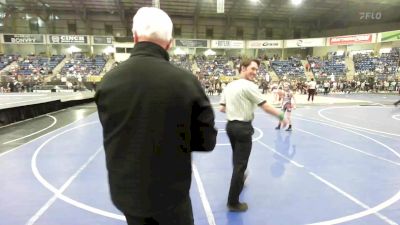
(297, 2)
(220, 6)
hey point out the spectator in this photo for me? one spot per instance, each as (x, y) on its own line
(150, 129)
(311, 86)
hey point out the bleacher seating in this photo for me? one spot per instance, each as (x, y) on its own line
(381, 67)
(37, 65)
(262, 70)
(83, 66)
(289, 68)
(55, 60)
(215, 66)
(182, 61)
(334, 65)
(6, 60)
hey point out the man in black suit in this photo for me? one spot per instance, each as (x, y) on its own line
(153, 116)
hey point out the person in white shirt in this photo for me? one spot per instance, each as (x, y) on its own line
(239, 100)
(311, 89)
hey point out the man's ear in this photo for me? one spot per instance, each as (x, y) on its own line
(169, 45)
(242, 68)
(135, 38)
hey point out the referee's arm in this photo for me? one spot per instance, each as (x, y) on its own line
(222, 108)
(271, 110)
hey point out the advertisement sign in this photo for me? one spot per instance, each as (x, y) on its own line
(306, 42)
(227, 44)
(68, 39)
(191, 43)
(102, 40)
(265, 44)
(352, 39)
(23, 38)
(389, 36)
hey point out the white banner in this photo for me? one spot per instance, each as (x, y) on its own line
(306, 42)
(23, 38)
(265, 44)
(352, 39)
(68, 39)
(227, 44)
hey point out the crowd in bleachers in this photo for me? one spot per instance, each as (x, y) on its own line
(380, 66)
(22, 73)
(32, 65)
(37, 65)
(216, 71)
(182, 61)
(331, 69)
(215, 66)
(333, 65)
(342, 86)
(27, 73)
(6, 60)
(330, 72)
(81, 66)
(288, 68)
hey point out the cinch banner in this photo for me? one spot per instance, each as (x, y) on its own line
(352, 39)
(191, 43)
(68, 39)
(265, 44)
(23, 38)
(227, 44)
(389, 36)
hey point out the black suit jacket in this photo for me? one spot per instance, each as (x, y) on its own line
(154, 115)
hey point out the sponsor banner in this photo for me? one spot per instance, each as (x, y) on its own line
(352, 39)
(128, 39)
(389, 36)
(306, 42)
(68, 39)
(265, 44)
(227, 44)
(191, 43)
(102, 40)
(23, 38)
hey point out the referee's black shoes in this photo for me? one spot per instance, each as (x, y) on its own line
(238, 207)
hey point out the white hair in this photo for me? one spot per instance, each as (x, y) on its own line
(152, 23)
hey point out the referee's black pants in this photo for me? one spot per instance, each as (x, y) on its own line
(181, 214)
(239, 134)
(311, 93)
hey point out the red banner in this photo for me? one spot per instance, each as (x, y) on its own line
(351, 39)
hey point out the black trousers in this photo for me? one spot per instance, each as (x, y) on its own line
(311, 93)
(182, 214)
(326, 90)
(239, 134)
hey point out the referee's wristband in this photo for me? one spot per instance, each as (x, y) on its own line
(281, 116)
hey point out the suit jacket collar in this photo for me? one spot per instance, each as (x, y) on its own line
(149, 49)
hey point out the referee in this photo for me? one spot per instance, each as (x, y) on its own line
(239, 100)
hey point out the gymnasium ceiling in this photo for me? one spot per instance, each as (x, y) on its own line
(320, 14)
